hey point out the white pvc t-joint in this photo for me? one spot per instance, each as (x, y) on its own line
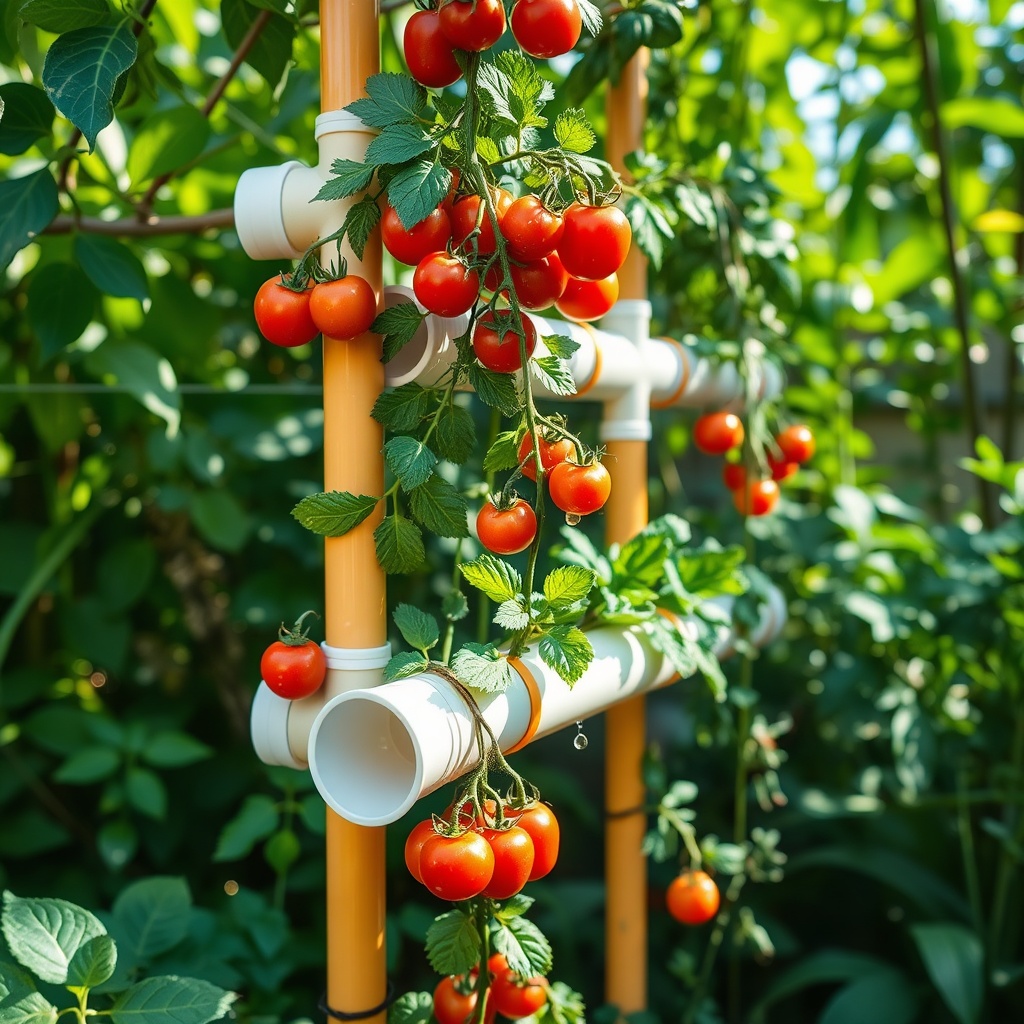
(628, 416)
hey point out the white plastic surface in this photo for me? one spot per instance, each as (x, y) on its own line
(332, 121)
(259, 212)
(268, 726)
(356, 658)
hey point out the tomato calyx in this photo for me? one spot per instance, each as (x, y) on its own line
(298, 635)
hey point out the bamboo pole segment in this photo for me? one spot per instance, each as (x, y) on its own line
(627, 513)
(354, 602)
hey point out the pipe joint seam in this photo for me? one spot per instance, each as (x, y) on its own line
(356, 658)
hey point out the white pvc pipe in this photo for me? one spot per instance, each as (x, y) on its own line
(627, 416)
(373, 753)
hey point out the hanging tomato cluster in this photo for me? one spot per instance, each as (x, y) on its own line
(508, 993)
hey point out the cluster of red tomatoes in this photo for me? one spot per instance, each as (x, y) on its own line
(484, 859)
(720, 433)
(291, 312)
(456, 996)
(693, 897)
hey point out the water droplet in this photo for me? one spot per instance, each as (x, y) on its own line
(571, 519)
(580, 742)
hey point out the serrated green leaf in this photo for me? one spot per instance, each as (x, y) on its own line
(678, 648)
(403, 665)
(416, 190)
(453, 943)
(708, 570)
(112, 266)
(554, 374)
(567, 651)
(591, 16)
(454, 606)
(271, 50)
(392, 99)
(495, 91)
(483, 667)
(573, 131)
(27, 117)
(488, 150)
(511, 615)
(439, 507)
(418, 628)
(410, 460)
(412, 1008)
(493, 577)
(361, 219)
(347, 178)
(152, 916)
(80, 73)
(402, 408)
(162, 999)
(398, 325)
(399, 545)
(561, 345)
(334, 513)
(520, 90)
(32, 1008)
(527, 950)
(498, 390)
(27, 205)
(398, 143)
(568, 584)
(258, 818)
(516, 906)
(504, 453)
(455, 434)
(59, 16)
(93, 963)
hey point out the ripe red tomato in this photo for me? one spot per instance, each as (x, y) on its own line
(734, 474)
(506, 531)
(414, 846)
(501, 353)
(445, 285)
(693, 897)
(510, 995)
(546, 28)
(756, 498)
(540, 821)
(595, 241)
(464, 213)
(456, 867)
(796, 443)
(579, 490)
(452, 1006)
(539, 283)
(343, 309)
(551, 454)
(717, 432)
(532, 230)
(780, 469)
(428, 54)
(410, 245)
(473, 24)
(293, 671)
(282, 315)
(588, 300)
(513, 861)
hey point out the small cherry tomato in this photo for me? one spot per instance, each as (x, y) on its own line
(445, 285)
(456, 867)
(539, 820)
(410, 245)
(414, 846)
(588, 300)
(343, 309)
(756, 498)
(551, 454)
(579, 490)
(513, 861)
(734, 474)
(532, 230)
(780, 469)
(465, 212)
(428, 54)
(796, 443)
(293, 671)
(539, 283)
(501, 353)
(511, 996)
(282, 314)
(473, 25)
(506, 531)
(717, 432)
(546, 28)
(452, 1006)
(594, 241)
(693, 897)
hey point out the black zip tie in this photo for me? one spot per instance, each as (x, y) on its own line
(357, 1014)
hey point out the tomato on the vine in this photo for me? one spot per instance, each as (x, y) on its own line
(445, 285)
(579, 490)
(539, 283)
(293, 666)
(456, 867)
(473, 25)
(531, 229)
(513, 861)
(588, 300)
(452, 1006)
(465, 212)
(594, 241)
(410, 245)
(539, 820)
(428, 53)
(511, 996)
(546, 28)
(551, 453)
(796, 443)
(756, 497)
(693, 897)
(344, 308)
(506, 531)
(717, 432)
(780, 468)
(282, 314)
(414, 846)
(501, 352)
(734, 474)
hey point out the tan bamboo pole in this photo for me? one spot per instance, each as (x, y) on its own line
(627, 513)
(354, 605)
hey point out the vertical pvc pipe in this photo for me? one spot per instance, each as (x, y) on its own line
(627, 513)
(354, 605)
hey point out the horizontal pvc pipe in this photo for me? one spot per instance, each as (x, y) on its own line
(374, 752)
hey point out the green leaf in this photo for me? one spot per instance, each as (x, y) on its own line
(162, 1000)
(349, 177)
(112, 266)
(454, 606)
(567, 650)
(455, 434)
(258, 818)
(81, 70)
(498, 390)
(403, 665)
(483, 667)
(494, 578)
(146, 792)
(412, 1008)
(44, 934)
(399, 545)
(59, 16)
(144, 373)
(561, 345)
(439, 507)
(554, 374)
(573, 131)
(496, 93)
(990, 114)
(393, 99)
(525, 947)
(170, 749)
(568, 584)
(33, 1008)
(453, 943)
(27, 117)
(14, 982)
(151, 916)
(220, 518)
(591, 16)
(27, 205)
(890, 995)
(167, 141)
(678, 648)
(516, 906)
(511, 615)
(402, 408)
(955, 961)
(282, 850)
(93, 963)
(271, 51)
(117, 843)
(515, 90)
(398, 143)
(361, 219)
(418, 629)
(415, 191)
(88, 765)
(398, 324)
(708, 571)
(410, 460)
(58, 324)
(334, 513)
(504, 453)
